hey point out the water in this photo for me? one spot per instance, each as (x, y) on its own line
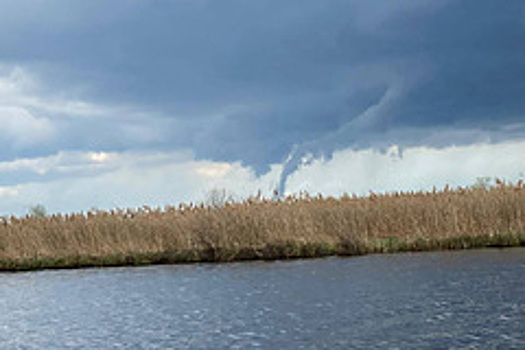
(462, 300)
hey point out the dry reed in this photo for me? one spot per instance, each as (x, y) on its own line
(300, 226)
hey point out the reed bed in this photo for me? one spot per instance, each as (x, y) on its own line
(258, 228)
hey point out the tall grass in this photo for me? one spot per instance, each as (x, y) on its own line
(257, 228)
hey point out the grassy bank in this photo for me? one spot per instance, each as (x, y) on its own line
(264, 229)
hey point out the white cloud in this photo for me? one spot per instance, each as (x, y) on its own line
(213, 170)
(74, 181)
(100, 157)
(21, 125)
(60, 163)
(12, 191)
(32, 118)
(21, 88)
(418, 168)
(77, 181)
(21, 129)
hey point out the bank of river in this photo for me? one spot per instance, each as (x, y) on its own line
(453, 299)
(262, 229)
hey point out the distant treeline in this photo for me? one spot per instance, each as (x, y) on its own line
(259, 228)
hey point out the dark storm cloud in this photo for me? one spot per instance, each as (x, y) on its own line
(248, 80)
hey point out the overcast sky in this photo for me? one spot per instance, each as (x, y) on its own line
(124, 103)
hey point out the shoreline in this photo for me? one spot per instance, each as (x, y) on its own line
(263, 229)
(289, 251)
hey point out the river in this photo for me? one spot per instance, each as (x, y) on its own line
(439, 300)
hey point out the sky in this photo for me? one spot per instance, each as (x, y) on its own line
(126, 103)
